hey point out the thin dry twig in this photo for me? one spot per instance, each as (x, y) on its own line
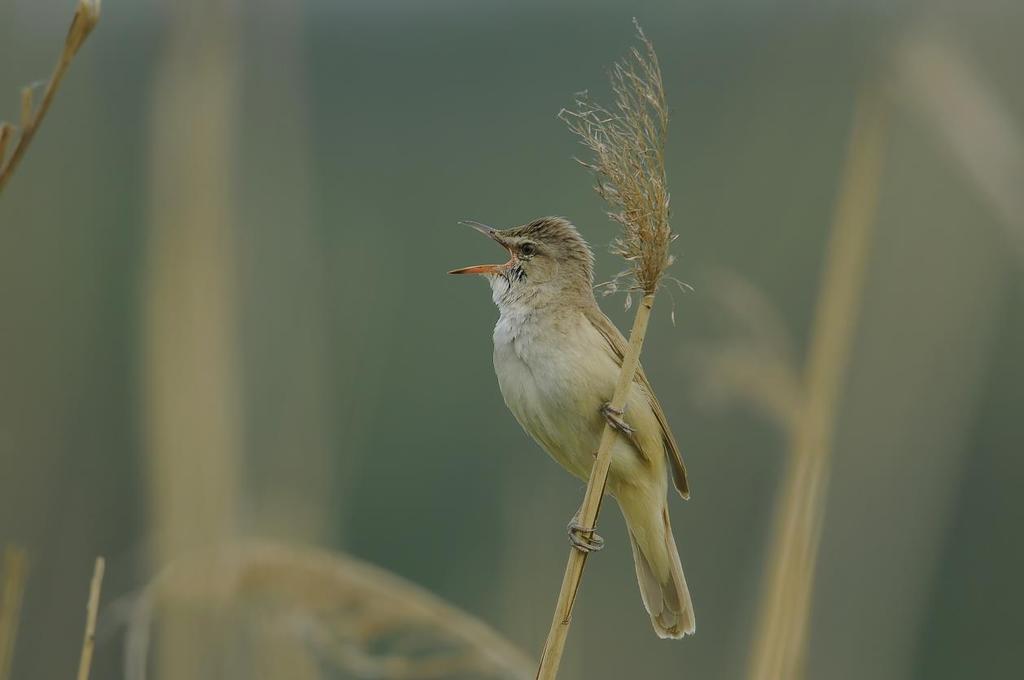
(87, 15)
(628, 148)
(91, 613)
(15, 570)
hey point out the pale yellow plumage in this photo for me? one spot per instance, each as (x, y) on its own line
(557, 357)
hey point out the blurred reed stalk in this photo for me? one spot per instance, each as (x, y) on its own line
(190, 344)
(92, 610)
(87, 15)
(780, 642)
(628, 147)
(972, 120)
(284, 293)
(14, 573)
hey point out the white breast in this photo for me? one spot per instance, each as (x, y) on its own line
(551, 372)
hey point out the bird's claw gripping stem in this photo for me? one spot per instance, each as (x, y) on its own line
(614, 417)
(579, 538)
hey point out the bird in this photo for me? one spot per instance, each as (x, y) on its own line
(557, 358)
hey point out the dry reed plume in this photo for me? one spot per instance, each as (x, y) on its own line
(628, 147)
(323, 613)
(87, 15)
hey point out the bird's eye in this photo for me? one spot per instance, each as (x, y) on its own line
(528, 249)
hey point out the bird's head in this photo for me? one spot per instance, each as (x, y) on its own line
(545, 255)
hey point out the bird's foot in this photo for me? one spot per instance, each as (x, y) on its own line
(583, 538)
(614, 417)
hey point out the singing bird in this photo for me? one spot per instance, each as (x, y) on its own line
(557, 358)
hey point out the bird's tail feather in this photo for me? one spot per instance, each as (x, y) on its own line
(660, 574)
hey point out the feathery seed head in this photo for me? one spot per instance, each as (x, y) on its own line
(627, 144)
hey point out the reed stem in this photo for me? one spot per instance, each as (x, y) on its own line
(91, 613)
(780, 640)
(551, 656)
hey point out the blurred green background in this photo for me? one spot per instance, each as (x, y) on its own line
(224, 311)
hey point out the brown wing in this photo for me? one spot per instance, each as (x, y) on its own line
(618, 345)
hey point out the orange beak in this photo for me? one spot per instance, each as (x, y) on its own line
(487, 268)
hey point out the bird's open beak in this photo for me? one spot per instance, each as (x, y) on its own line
(487, 268)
